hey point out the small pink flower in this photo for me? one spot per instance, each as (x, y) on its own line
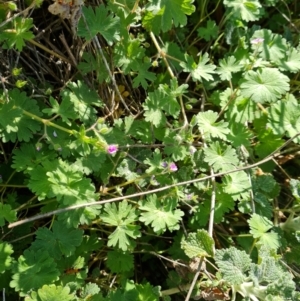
(173, 167)
(112, 149)
(257, 41)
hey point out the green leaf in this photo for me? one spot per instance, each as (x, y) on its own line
(65, 109)
(273, 48)
(227, 67)
(209, 32)
(18, 34)
(51, 293)
(237, 185)
(291, 61)
(264, 86)
(123, 218)
(239, 135)
(247, 10)
(14, 122)
(161, 214)
(33, 270)
(267, 143)
(295, 188)
(100, 21)
(26, 158)
(146, 292)
(199, 71)
(155, 163)
(129, 55)
(90, 290)
(7, 214)
(162, 14)
(284, 117)
(142, 75)
(173, 146)
(233, 264)
(198, 244)
(80, 99)
(5, 259)
(221, 157)
(119, 262)
(209, 127)
(163, 102)
(60, 241)
(68, 184)
(38, 181)
(259, 226)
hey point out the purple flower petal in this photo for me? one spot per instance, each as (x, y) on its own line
(257, 41)
(173, 167)
(164, 164)
(112, 149)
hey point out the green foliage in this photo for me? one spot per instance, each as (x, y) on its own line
(245, 10)
(198, 244)
(61, 241)
(233, 264)
(33, 270)
(161, 214)
(161, 15)
(17, 32)
(259, 226)
(143, 129)
(51, 293)
(99, 21)
(5, 251)
(264, 86)
(201, 71)
(123, 218)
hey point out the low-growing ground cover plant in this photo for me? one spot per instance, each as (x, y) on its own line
(149, 150)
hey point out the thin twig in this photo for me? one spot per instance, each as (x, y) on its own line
(58, 211)
(194, 280)
(98, 46)
(162, 54)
